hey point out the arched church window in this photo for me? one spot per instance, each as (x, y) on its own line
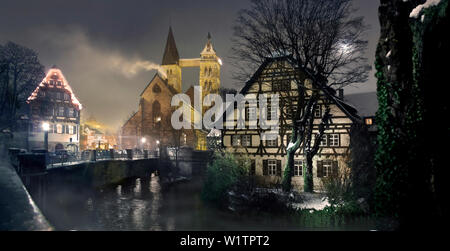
(156, 112)
(210, 71)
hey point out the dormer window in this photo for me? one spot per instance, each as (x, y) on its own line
(59, 83)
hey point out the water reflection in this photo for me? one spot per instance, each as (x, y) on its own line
(142, 204)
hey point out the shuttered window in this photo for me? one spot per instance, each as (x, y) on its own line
(272, 167)
(327, 168)
(265, 167)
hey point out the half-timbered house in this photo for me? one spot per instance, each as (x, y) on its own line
(53, 102)
(277, 76)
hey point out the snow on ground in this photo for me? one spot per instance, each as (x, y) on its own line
(312, 201)
(429, 3)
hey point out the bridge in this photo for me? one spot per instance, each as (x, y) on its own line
(29, 176)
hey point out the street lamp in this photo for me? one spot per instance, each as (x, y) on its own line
(46, 128)
(158, 147)
(143, 141)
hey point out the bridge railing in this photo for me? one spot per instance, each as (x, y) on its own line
(62, 159)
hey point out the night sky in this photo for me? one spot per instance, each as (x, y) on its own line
(92, 42)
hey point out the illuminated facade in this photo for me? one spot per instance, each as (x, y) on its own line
(95, 135)
(54, 102)
(268, 157)
(151, 125)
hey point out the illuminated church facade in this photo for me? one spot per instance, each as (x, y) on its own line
(150, 127)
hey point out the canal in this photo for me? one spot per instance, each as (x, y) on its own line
(146, 205)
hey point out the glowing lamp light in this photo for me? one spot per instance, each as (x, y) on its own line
(158, 119)
(369, 121)
(143, 140)
(46, 126)
(157, 142)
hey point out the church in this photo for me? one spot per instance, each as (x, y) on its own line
(150, 127)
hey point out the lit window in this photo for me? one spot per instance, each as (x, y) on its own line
(246, 140)
(369, 121)
(334, 140)
(71, 130)
(59, 129)
(272, 167)
(298, 167)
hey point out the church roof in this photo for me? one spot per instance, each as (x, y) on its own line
(171, 89)
(171, 55)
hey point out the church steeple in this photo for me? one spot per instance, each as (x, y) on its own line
(171, 55)
(208, 48)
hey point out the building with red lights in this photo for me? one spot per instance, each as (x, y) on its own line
(54, 103)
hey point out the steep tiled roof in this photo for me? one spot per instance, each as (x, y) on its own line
(329, 92)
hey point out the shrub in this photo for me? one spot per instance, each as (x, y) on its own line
(224, 173)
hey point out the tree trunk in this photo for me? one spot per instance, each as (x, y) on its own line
(308, 175)
(289, 170)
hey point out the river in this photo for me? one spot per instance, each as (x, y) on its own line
(145, 205)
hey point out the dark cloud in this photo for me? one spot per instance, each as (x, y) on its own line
(96, 42)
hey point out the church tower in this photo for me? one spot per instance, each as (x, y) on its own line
(171, 64)
(209, 69)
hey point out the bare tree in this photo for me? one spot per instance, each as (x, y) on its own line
(20, 72)
(323, 39)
